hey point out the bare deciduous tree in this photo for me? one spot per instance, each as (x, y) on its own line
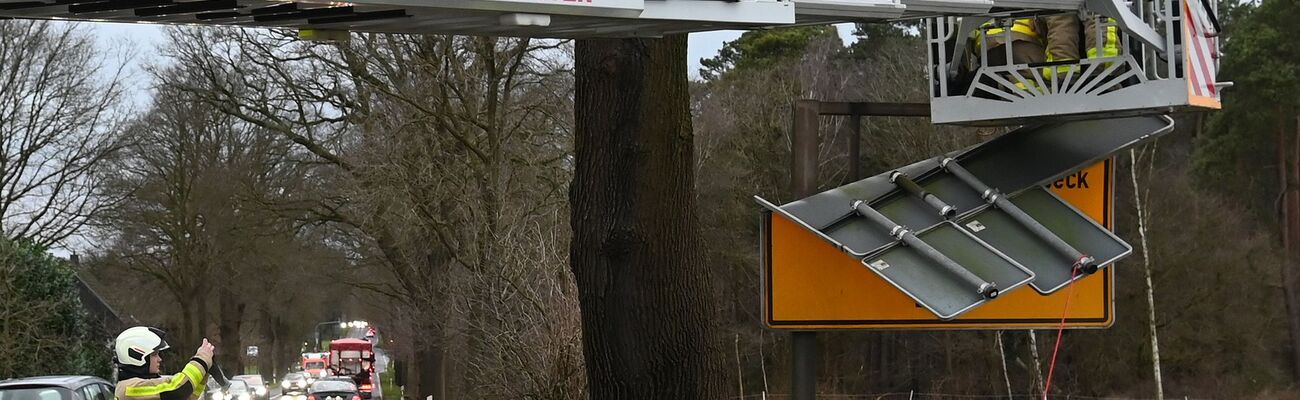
(436, 145)
(57, 121)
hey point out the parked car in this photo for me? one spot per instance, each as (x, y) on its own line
(294, 384)
(56, 388)
(333, 390)
(255, 384)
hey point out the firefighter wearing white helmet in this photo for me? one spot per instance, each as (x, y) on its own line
(136, 353)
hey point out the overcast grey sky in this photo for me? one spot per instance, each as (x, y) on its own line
(145, 38)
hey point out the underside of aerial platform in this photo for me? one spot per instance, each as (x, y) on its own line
(531, 18)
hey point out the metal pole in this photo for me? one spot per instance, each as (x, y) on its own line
(1086, 263)
(803, 183)
(805, 365)
(317, 333)
(911, 187)
(987, 289)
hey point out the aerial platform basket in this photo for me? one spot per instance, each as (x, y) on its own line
(1167, 62)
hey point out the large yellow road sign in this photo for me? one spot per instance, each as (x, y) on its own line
(808, 284)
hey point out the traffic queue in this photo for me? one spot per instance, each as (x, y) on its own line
(345, 372)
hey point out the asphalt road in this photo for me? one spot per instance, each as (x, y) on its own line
(381, 365)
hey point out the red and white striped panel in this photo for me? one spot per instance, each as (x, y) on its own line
(1199, 50)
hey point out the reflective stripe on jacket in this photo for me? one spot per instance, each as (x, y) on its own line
(1021, 29)
(1110, 45)
(187, 385)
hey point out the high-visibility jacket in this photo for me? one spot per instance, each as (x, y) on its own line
(1058, 34)
(187, 385)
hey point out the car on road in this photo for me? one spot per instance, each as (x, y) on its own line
(256, 384)
(239, 390)
(338, 378)
(56, 388)
(333, 390)
(294, 384)
(213, 390)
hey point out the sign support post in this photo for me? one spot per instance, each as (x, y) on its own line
(803, 183)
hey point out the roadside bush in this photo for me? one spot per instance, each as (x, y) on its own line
(43, 328)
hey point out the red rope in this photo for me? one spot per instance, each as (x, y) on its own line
(1074, 269)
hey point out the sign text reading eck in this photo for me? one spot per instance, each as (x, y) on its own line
(1077, 180)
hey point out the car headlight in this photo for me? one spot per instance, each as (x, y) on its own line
(322, 374)
(229, 396)
(261, 391)
(284, 384)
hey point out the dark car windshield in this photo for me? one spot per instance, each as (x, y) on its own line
(293, 377)
(44, 393)
(332, 386)
(316, 365)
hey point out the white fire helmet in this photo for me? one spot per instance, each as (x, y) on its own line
(133, 346)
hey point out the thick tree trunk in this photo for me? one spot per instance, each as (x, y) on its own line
(182, 339)
(266, 360)
(201, 329)
(232, 315)
(431, 370)
(1290, 234)
(647, 312)
(411, 378)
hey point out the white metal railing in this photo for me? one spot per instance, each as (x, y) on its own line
(1148, 74)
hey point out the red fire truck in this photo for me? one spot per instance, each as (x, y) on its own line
(354, 358)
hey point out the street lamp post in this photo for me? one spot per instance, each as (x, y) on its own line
(342, 325)
(317, 331)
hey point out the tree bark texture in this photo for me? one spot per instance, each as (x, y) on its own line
(266, 360)
(1288, 166)
(647, 312)
(232, 317)
(431, 371)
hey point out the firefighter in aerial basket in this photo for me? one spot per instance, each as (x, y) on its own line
(136, 352)
(1043, 39)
